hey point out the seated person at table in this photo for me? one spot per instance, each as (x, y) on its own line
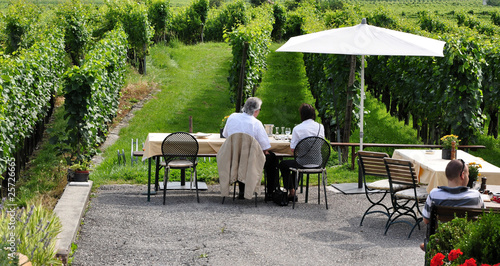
(307, 128)
(456, 194)
(247, 122)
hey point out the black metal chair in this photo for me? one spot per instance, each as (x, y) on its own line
(311, 154)
(404, 202)
(135, 154)
(180, 151)
(372, 164)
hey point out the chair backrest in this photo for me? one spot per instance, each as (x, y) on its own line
(312, 152)
(400, 172)
(179, 146)
(372, 163)
(240, 158)
(447, 213)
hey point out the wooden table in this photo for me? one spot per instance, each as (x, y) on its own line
(392, 145)
(430, 167)
(486, 198)
(208, 147)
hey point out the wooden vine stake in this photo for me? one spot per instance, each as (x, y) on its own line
(241, 82)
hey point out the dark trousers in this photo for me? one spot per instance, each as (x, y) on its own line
(272, 174)
(286, 174)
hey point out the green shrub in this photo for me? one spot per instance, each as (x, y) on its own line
(293, 26)
(112, 15)
(19, 20)
(325, 5)
(348, 16)
(482, 240)
(465, 19)
(256, 3)
(92, 94)
(447, 236)
(495, 18)
(279, 22)
(429, 23)
(139, 32)
(215, 3)
(159, 17)
(291, 5)
(26, 89)
(493, 2)
(231, 16)
(74, 21)
(257, 34)
(476, 239)
(32, 233)
(188, 24)
(382, 18)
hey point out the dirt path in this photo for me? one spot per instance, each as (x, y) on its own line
(114, 132)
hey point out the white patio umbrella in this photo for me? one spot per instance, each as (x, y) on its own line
(364, 39)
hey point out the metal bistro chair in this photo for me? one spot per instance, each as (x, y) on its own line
(372, 164)
(404, 202)
(180, 151)
(135, 154)
(311, 154)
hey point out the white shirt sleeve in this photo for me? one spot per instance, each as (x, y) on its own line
(306, 129)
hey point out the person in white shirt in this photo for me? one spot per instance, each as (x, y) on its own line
(307, 128)
(247, 122)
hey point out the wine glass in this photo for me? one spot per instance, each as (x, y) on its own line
(282, 130)
(287, 132)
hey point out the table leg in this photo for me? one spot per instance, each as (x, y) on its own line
(157, 174)
(149, 178)
(360, 179)
(149, 192)
(353, 160)
(353, 155)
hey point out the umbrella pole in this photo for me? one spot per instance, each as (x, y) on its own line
(361, 109)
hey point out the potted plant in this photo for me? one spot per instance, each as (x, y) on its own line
(473, 173)
(446, 142)
(79, 172)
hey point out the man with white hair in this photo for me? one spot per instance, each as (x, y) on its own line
(247, 122)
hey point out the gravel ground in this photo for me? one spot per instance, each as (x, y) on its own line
(122, 228)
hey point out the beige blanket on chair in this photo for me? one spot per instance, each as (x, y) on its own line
(240, 158)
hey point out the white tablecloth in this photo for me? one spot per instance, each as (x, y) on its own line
(430, 168)
(208, 145)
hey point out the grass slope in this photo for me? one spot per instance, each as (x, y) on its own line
(283, 89)
(192, 81)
